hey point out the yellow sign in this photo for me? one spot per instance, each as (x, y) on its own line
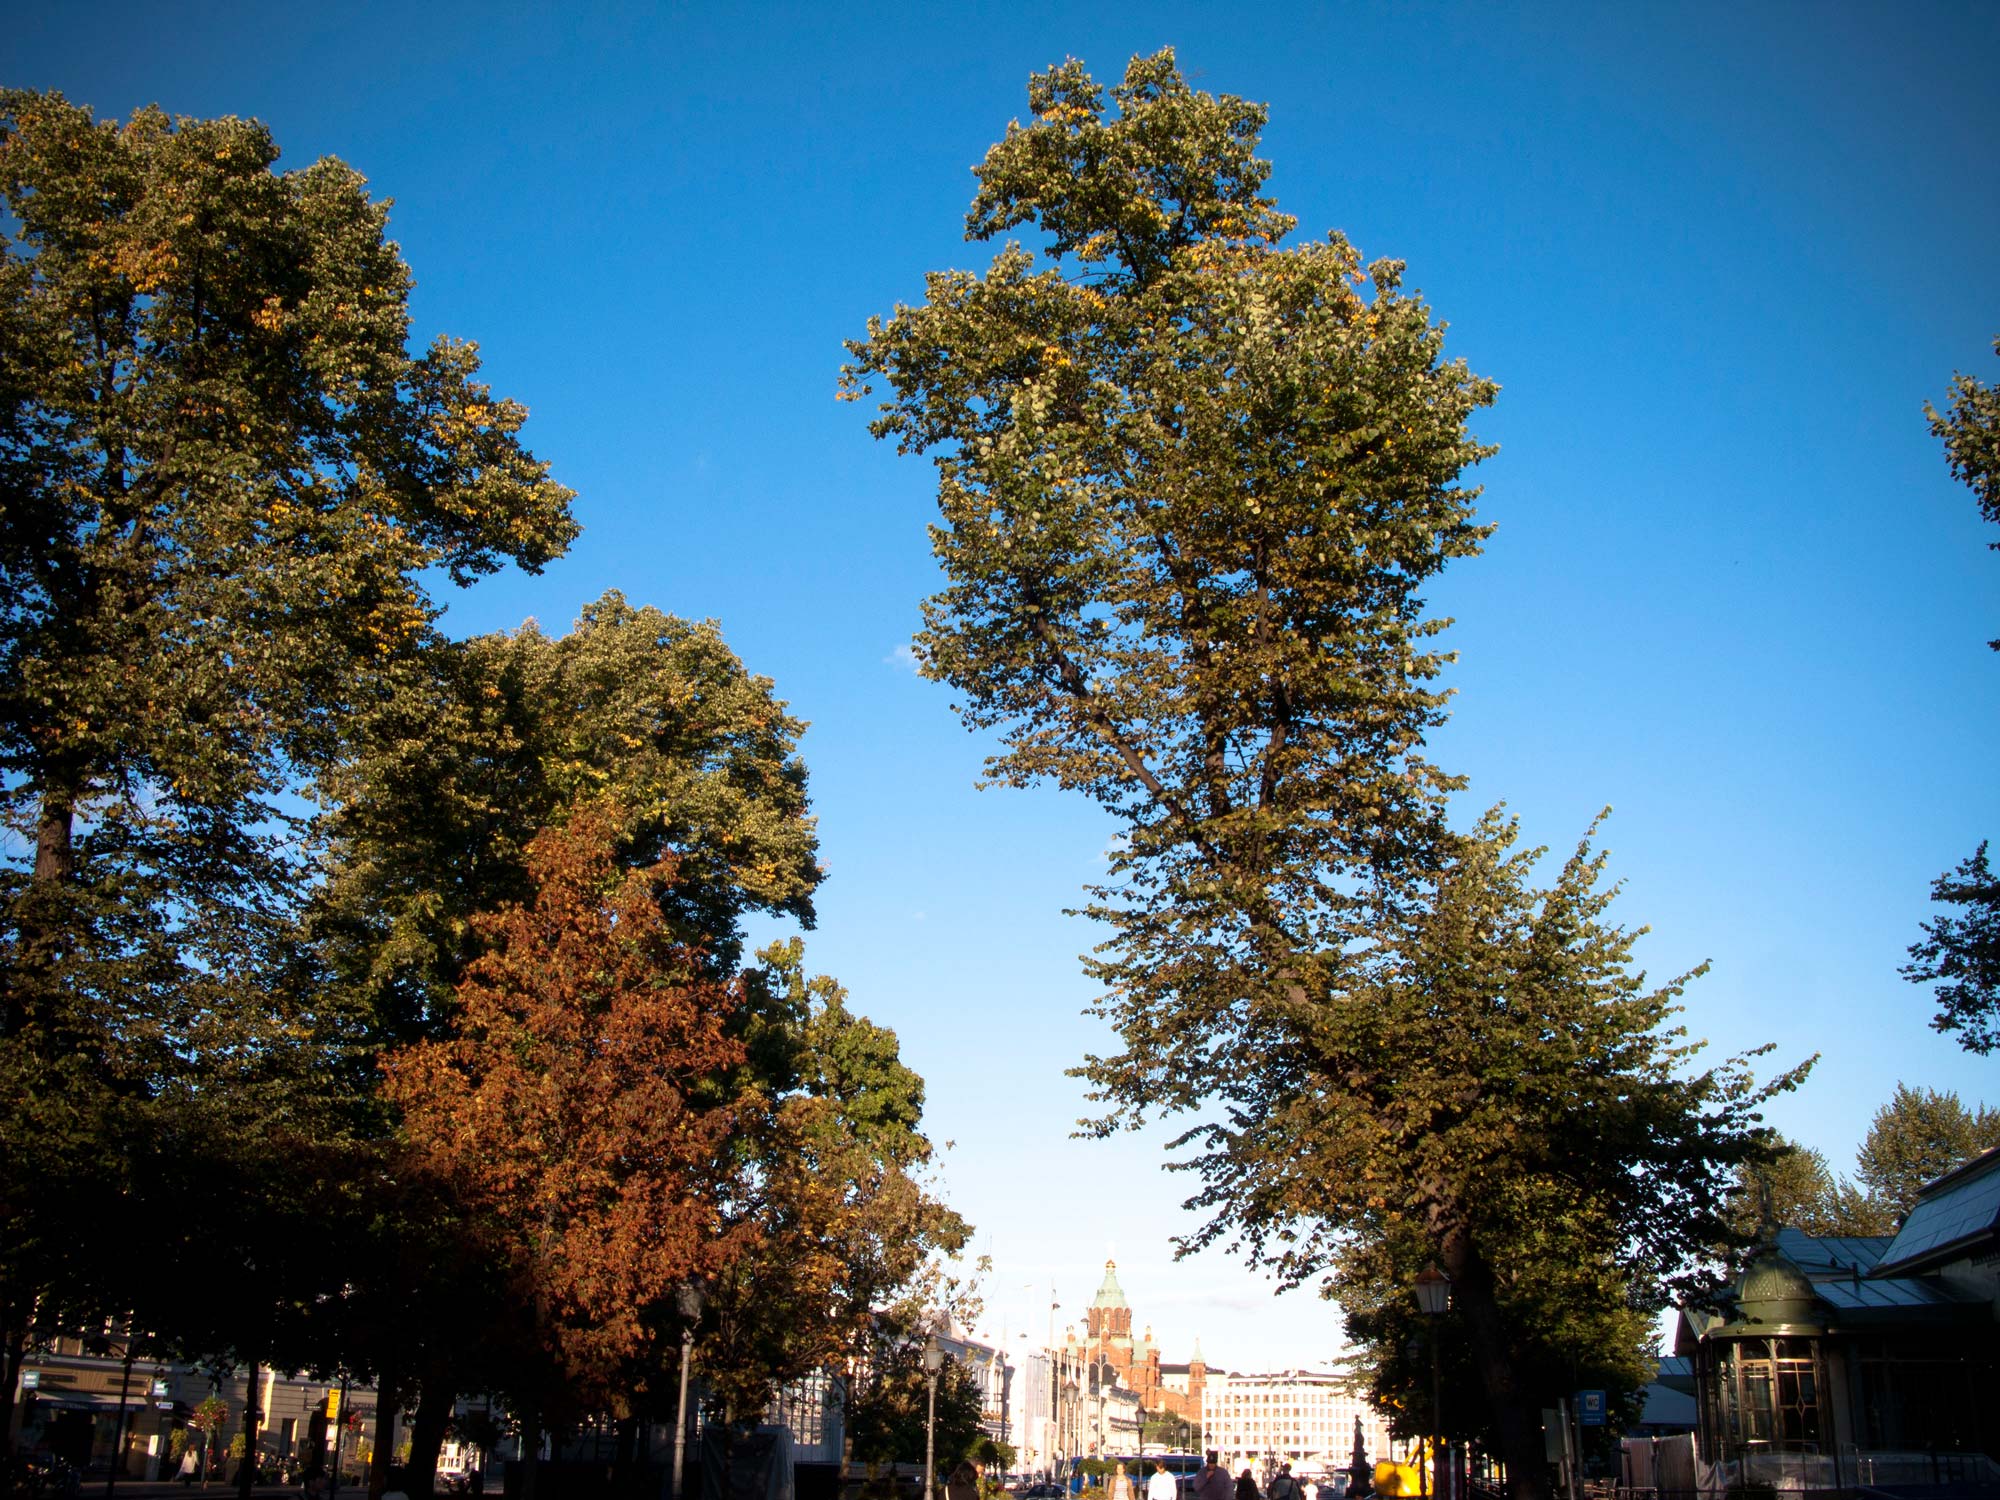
(332, 1405)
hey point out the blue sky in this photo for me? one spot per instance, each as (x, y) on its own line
(1717, 257)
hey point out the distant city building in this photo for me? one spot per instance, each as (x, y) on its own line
(1107, 1339)
(1302, 1417)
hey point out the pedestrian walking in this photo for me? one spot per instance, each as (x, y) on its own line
(1213, 1482)
(963, 1483)
(1246, 1487)
(1284, 1487)
(1161, 1486)
(1121, 1482)
(188, 1465)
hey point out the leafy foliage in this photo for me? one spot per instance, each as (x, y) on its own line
(1191, 486)
(832, 1223)
(222, 477)
(1960, 953)
(564, 1107)
(1795, 1188)
(886, 1420)
(1918, 1135)
(501, 736)
(1969, 428)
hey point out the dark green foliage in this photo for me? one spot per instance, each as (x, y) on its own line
(1920, 1134)
(886, 1415)
(1970, 432)
(1960, 954)
(1796, 1189)
(1191, 485)
(501, 737)
(222, 476)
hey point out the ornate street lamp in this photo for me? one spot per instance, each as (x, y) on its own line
(1433, 1299)
(688, 1300)
(933, 1362)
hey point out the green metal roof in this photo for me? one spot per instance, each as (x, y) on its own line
(1956, 1214)
(1110, 1294)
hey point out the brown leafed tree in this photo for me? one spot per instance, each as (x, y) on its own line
(565, 1105)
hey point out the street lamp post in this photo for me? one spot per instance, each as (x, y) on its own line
(1433, 1298)
(124, 1397)
(687, 1301)
(933, 1362)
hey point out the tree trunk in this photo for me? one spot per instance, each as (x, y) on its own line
(11, 1356)
(435, 1404)
(385, 1438)
(246, 1471)
(55, 863)
(623, 1479)
(531, 1453)
(1517, 1414)
(55, 846)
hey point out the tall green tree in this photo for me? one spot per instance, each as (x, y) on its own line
(1960, 953)
(1960, 950)
(223, 476)
(1796, 1188)
(1969, 428)
(463, 767)
(1192, 483)
(889, 1419)
(454, 775)
(1920, 1134)
(834, 1225)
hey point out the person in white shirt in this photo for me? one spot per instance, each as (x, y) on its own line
(1161, 1486)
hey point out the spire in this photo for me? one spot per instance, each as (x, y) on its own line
(1110, 1294)
(1195, 1358)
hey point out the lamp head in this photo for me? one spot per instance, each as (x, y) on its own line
(689, 1300)
(1433, 1292)
(933, 1357)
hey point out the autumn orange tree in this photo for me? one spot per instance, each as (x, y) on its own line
(496, 739)
(566, 1107)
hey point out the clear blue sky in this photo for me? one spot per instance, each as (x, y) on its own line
(1717, 257)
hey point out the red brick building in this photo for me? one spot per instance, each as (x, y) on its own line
(1107, 1337)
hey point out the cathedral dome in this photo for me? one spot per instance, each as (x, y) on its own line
(1110, 1293)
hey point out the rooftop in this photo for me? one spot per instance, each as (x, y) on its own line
(1953, 1215)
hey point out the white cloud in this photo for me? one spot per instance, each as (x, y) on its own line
(904, 656)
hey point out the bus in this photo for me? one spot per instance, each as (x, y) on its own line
(1183, 1466)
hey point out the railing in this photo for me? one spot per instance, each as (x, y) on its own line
(1842, 1471)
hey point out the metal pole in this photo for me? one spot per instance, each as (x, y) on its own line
(681, 1425)
(340, 1427)
(1440, 1486)
(930, 1443)
(118, 1441)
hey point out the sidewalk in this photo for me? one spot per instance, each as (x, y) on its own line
(171, 1489)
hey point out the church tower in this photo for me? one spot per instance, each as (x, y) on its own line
(1109, 1321)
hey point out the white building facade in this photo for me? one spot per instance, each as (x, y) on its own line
(1302, 1417)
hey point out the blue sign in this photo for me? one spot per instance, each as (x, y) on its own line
(1590, 1408)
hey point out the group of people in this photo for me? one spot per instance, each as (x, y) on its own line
(1214, 1483)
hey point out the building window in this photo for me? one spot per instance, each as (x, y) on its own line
(1769, 1391)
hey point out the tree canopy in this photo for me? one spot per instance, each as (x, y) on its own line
(1969, 428)
(1960, 949)
(1192, 483)
(1960, 953)
(1920, 1134)
(1796, 1188)
(223, 479)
